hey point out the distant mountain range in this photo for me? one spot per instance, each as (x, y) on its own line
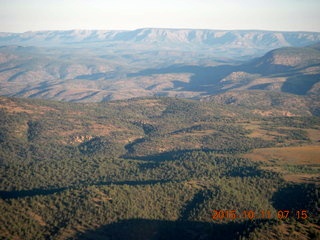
(223, 42)
(100, 70)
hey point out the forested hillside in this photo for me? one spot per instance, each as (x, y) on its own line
(157, 168)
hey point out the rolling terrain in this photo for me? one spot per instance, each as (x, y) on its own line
(88, 65)
(156, 168)
(88, 75)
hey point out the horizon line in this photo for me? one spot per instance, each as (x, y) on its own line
(163, 28)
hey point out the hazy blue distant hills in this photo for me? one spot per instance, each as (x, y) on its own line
(156, 35)
(157, 62)
(223, 42)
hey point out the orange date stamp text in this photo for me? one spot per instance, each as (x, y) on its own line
(263, 214)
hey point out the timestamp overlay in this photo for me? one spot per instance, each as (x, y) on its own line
(220, 215)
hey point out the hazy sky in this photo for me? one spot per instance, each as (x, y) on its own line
(287, 15)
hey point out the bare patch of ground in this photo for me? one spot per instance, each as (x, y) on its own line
(283, 159)
(297, 155)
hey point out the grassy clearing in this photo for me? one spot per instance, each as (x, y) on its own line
(298, 164)
(314, 134)
(257, 132)
(296, 155)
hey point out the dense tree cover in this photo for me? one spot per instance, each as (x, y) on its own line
(153, 167)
